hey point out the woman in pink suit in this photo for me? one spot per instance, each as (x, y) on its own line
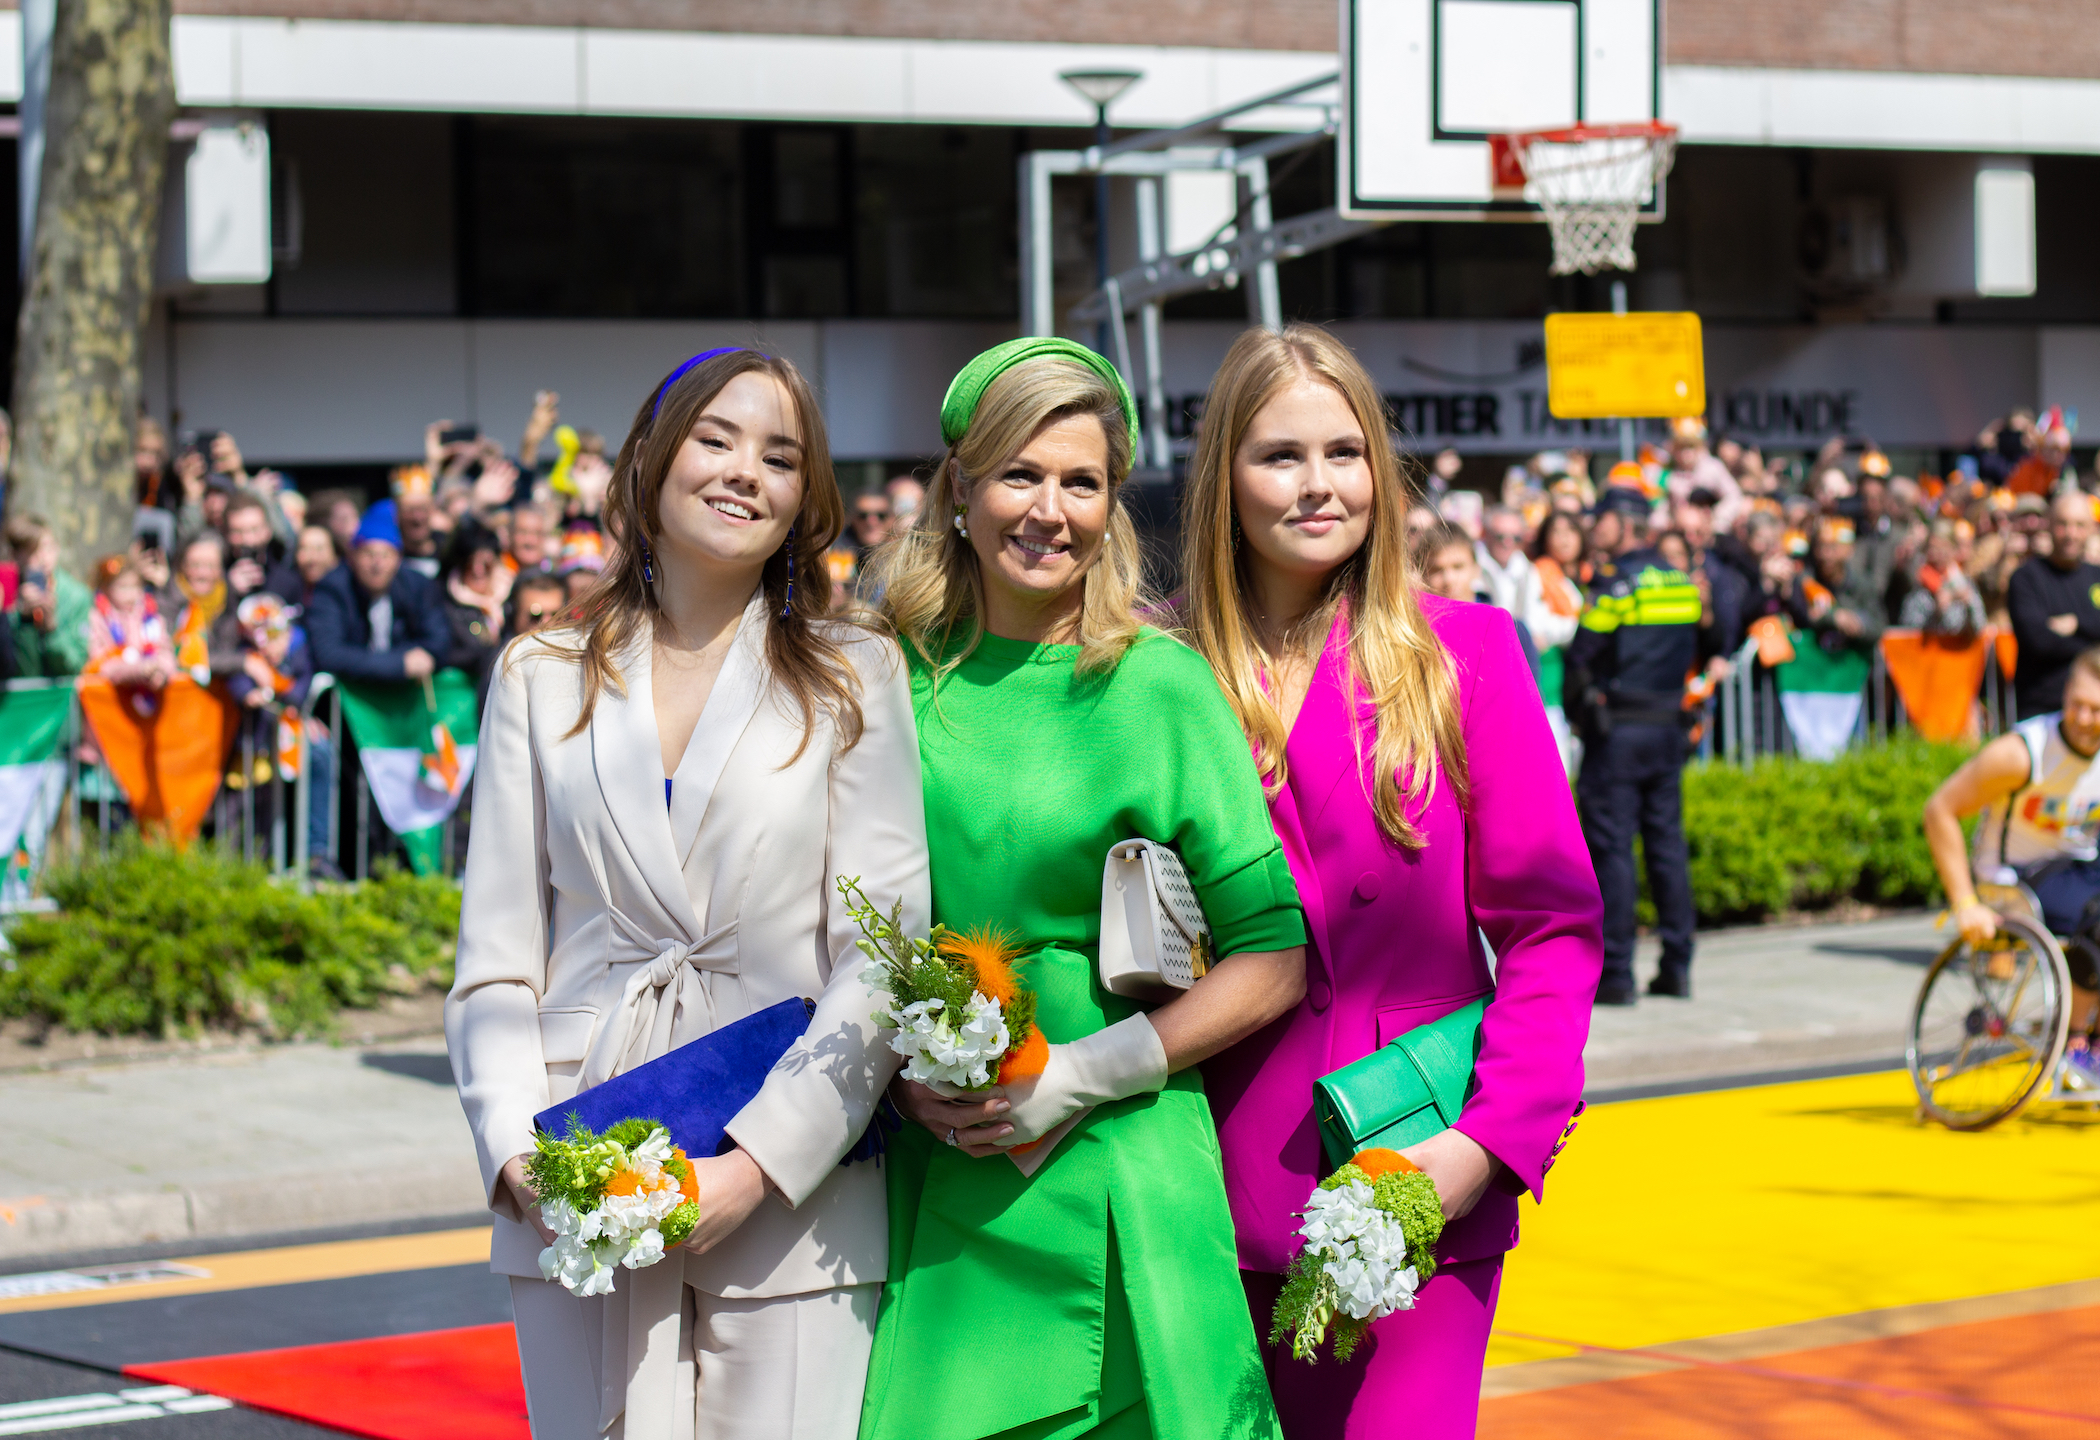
(1420, 799)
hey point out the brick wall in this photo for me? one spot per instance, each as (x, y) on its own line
(1232, 24)
(1989, 37)
(1993, 37)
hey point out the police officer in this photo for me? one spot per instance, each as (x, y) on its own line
(1625, 688)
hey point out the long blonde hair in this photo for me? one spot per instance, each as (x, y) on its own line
(1395, 659)
(804, 657)
(932, 591)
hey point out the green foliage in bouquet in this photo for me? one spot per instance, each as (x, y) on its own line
(948, 966)
(151, 939)
(580, 1166)
(1309, 1305)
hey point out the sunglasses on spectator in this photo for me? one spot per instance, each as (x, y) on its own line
(879, 513)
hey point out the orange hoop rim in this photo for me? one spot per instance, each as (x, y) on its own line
(1577, 134)
(1509, 154)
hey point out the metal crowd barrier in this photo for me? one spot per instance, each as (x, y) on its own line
(275, 831)
(1749, 722)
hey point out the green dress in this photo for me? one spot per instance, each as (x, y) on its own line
(1102, 1297)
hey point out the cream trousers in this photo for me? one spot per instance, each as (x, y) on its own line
(787, 1368)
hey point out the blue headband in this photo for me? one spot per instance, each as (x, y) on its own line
(665, 388)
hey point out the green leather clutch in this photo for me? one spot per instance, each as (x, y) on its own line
(1404, 1092)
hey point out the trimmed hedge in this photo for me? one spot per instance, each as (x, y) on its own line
(154, 940)
(1793, 834)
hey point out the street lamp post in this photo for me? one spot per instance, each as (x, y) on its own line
(1100, 89)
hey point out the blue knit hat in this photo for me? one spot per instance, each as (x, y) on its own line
(379, 523)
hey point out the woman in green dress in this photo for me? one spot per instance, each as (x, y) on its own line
(1099, 1295)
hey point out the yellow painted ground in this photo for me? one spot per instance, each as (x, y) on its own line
(1701, 1215)
(245, 1269)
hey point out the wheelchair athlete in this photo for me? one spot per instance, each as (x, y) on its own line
(2038, 790)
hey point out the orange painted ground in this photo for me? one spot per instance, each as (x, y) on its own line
(2027, 1376)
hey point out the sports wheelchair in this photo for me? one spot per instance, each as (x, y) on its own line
(1988, 1033)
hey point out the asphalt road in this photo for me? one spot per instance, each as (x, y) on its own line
(34, 1392)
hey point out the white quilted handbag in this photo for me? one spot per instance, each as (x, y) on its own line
(1154, 938)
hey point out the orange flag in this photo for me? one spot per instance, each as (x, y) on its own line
(1937, 679)
(2008, 650)
(170, 762)
(1774, 649)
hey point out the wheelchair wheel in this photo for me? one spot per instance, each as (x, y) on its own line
(1990, 1025)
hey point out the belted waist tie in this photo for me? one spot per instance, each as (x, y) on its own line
(667, 1001)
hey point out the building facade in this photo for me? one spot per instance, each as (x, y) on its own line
(470, 200)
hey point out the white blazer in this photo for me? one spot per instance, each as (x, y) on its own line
(601, 928)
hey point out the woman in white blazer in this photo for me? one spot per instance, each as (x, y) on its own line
(666, 789)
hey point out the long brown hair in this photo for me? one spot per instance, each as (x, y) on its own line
(1395, 659)
(802, 650)
(932, 592)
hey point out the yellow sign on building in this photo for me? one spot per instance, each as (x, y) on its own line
(1603, 367)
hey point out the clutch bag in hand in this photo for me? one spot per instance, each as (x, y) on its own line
(1405, 1092)
(695, 1090)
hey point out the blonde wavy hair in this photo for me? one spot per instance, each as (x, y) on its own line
(933, 591)
(803, 653)
(1395, 659)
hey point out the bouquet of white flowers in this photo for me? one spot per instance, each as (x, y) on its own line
(1370, 1236)
(620, 1198)
(963, 1020)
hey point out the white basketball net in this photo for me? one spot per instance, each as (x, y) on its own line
(1592, 191)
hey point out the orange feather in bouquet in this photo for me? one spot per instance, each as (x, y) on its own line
(990, 956)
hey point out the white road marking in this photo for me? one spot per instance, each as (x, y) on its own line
(76, 1412)
(95, 1277)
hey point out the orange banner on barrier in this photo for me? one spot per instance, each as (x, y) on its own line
(170, 761)
(1938, 679)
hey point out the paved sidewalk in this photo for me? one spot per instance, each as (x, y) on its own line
(1766, 999)
(309, 1137)
(247, 1143)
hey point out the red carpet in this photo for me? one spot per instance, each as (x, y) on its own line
(440, 1385)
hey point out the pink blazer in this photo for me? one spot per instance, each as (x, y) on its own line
(1396, 941)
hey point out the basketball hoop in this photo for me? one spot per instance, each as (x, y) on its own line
(1590, 180)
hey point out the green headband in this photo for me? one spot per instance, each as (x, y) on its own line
(969, 385)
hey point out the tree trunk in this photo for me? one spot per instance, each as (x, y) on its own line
(90, 284)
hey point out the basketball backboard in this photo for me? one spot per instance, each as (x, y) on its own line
(1425, 82)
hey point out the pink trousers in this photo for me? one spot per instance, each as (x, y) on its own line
(1418, 1373)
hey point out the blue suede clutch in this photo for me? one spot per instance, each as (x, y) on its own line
(696, 1089)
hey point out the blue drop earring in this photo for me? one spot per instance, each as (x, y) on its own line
(648, 566)
(788, 604)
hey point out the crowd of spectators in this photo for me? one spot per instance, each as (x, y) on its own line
(1830, 550)
(240, 579)
(236, 578)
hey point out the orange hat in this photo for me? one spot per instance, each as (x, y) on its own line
(1627, 473)
(411, 482)
(1834, 530)
(1688, 430)
(1874, 463)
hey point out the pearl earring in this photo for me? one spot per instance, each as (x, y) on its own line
(960, 528)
